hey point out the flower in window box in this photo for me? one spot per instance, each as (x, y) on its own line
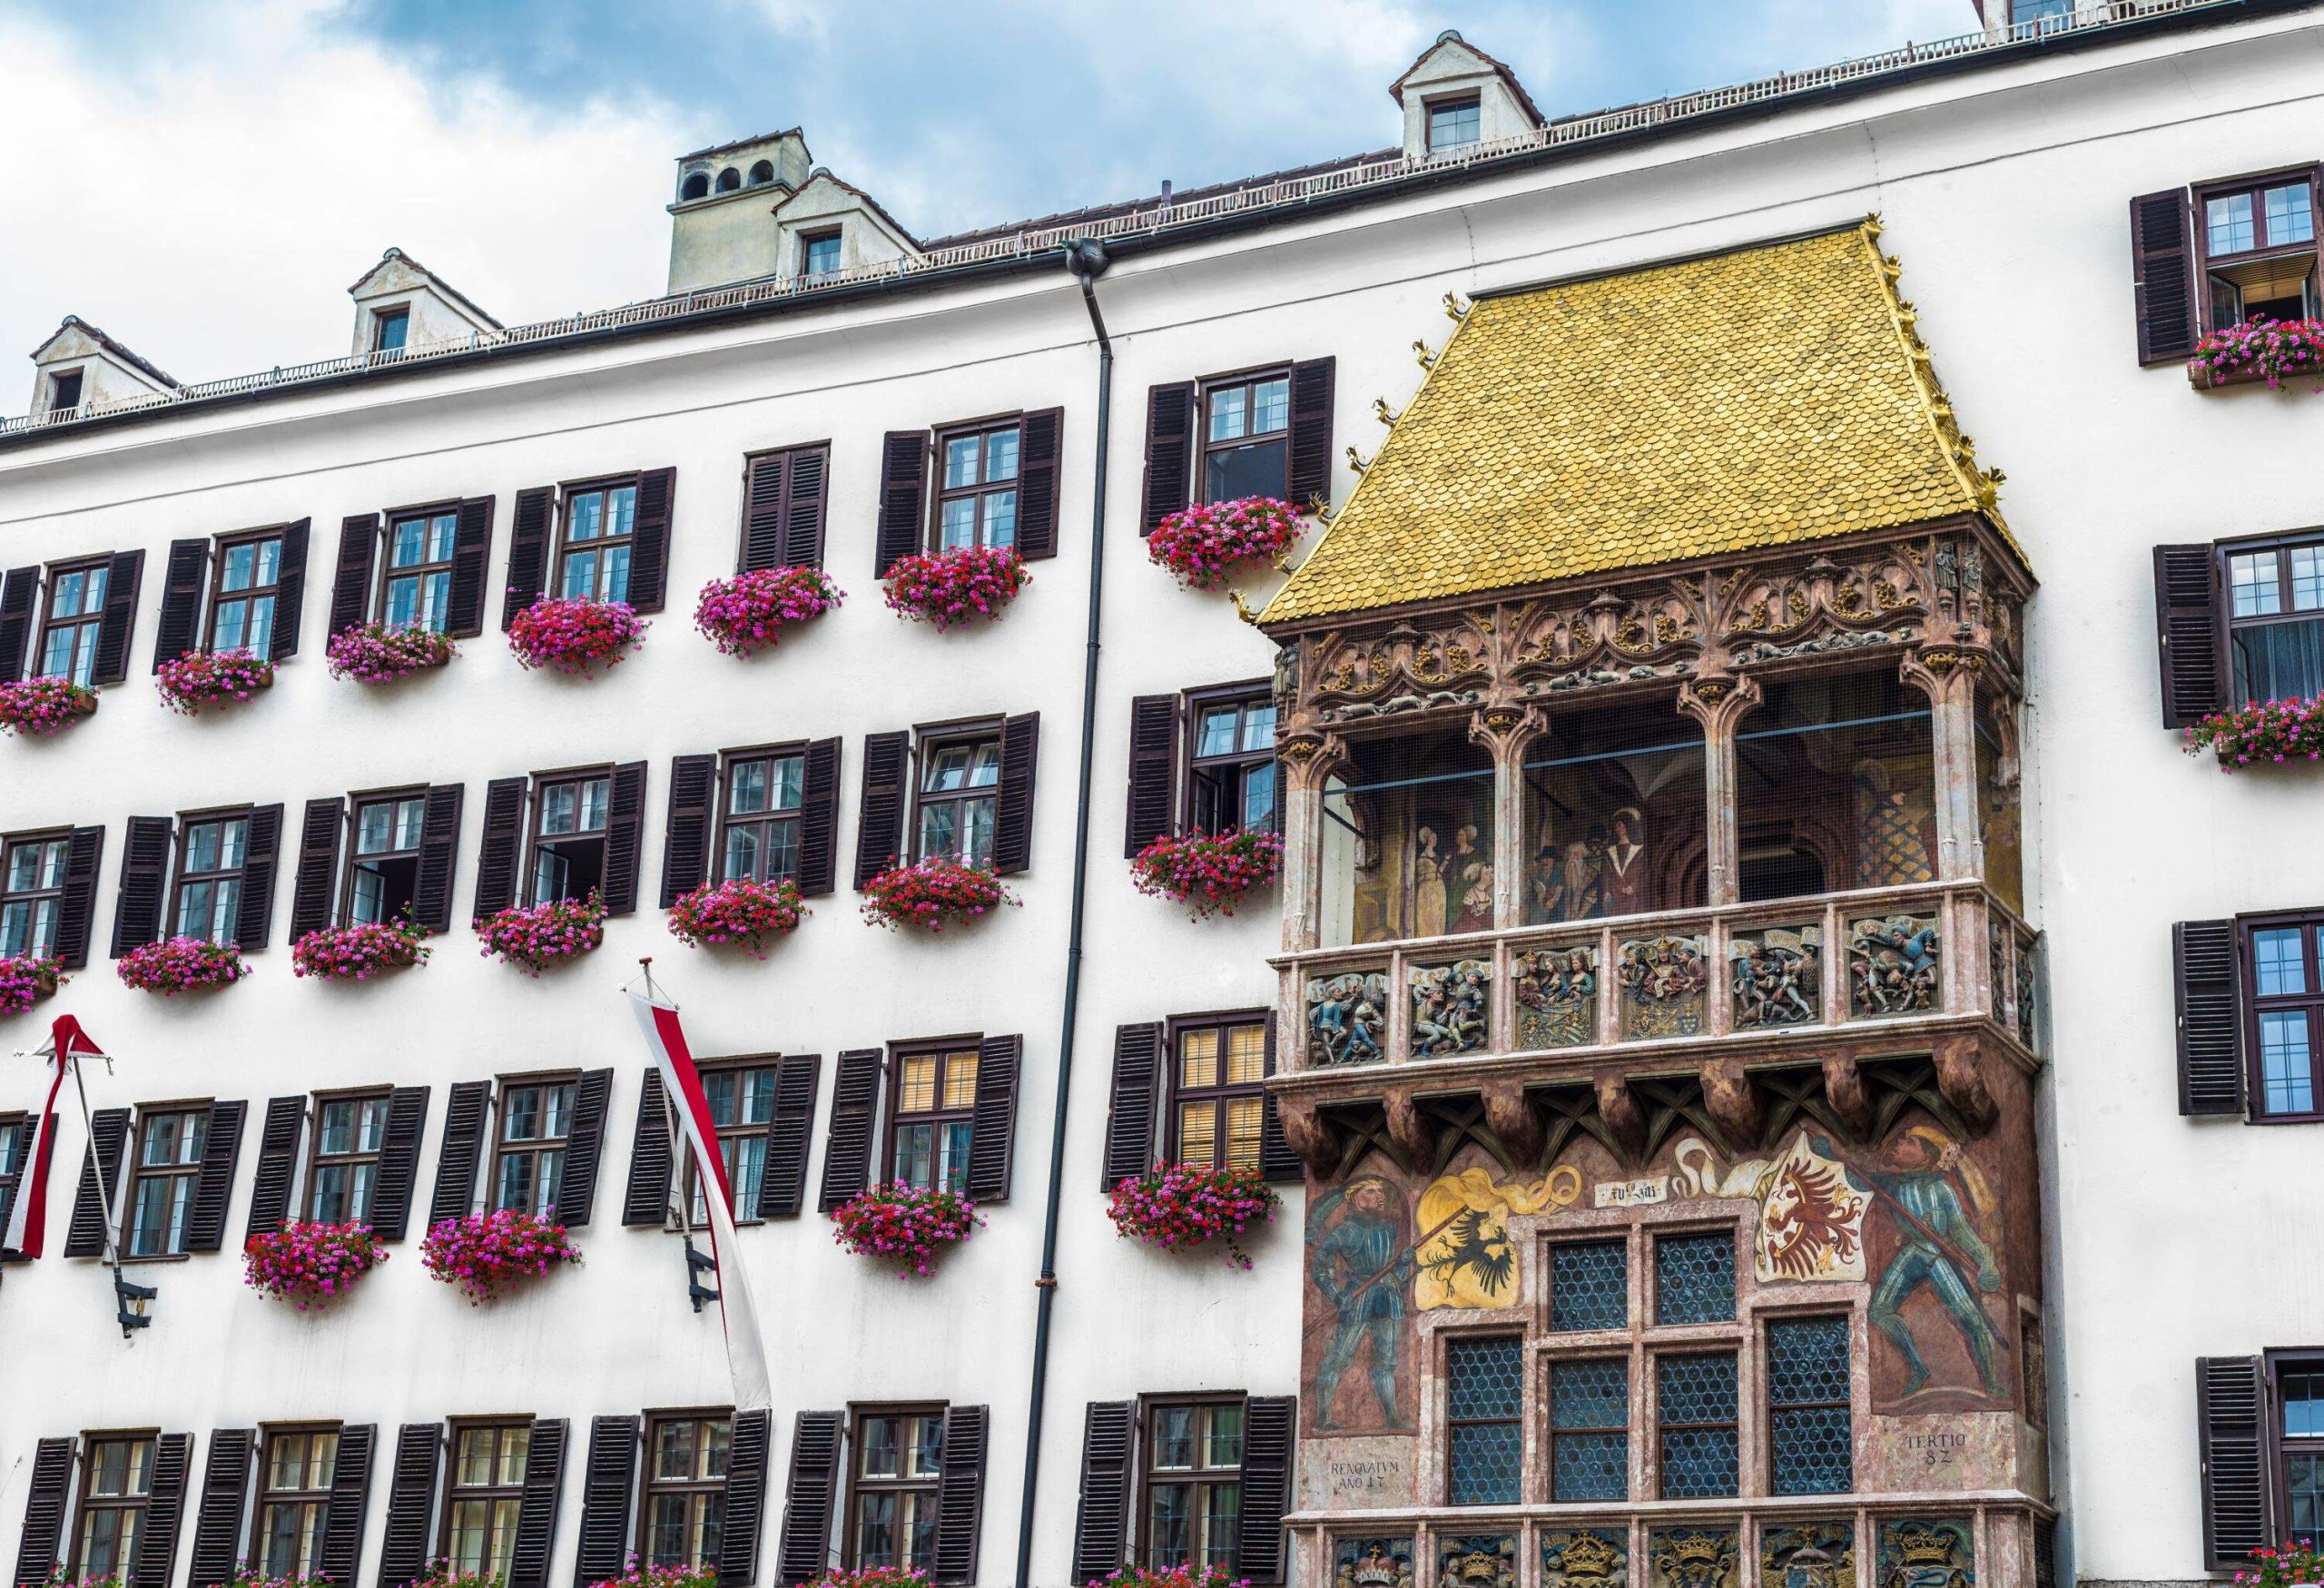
(360, 949)
(930, 894)
(200, 678)
(483, 1253)
(873, 1577)
(910, 1224)
(2269, 731)
(750, 611)
(948, 588)
(1208, 871)
(440, 1573)
(1182, 1205)
(537, 936)
(247, 1575)
(59, 1578)
(1170, 1577)
(311, 1264)
(741, 910)
(575, 636)
(2262, 348)
(24, 981)
(381, 653)
(2294, 1562)
(34, 708)
(182, 964)
(1201, 543)
(637, 1574)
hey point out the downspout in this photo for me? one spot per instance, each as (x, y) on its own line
(1087, 259)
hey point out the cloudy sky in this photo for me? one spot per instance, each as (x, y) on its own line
(204, 178)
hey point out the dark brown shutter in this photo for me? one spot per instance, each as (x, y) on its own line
(855, 1105)
(1169, 462)
(2231, 1433)
(2207, 967)
(904, 497)
(2162, 277)
(1129, 1114)
(213, 1182)
(646, 1198)
(536, 1510)
(808, 1496)
(1101, 1515)
(576, 1186)
(290, 591)
(471, 552)
(993, 1135)
(123, 577)
(1311, 431)
(77, 910)
(805, 496)
(318, 876)
(398, 1161)
(457, 1154)
(746, 1464)
(439, 855)
(144, 866)
(19, 596)
(44, 1534)
(783, 495)
(218, 1520)
(100, 1168)
(350, 1503)
(880, 815)
(1012, 826)
(189, 570)
(1040, 458)
(411, 1503)
(783, 1188)
(44, 1166)
(350, 580)
(819, 819)
(763, 479)
(605, 1482)
(278, 1164)
(624, 837)
(959, 1494)
(527, 551)
(1277, 1162)
(254, 914)
(1268, 1425)
(157, 1542)
(503, 834)
(2190, 627)
(1153, 770)
(686, 838)
(649, 549)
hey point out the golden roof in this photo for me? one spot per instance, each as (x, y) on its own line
(1764, 397)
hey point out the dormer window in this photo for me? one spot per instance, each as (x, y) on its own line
(390, 328)
(1454, 121)
(819, 253)
(64, 389)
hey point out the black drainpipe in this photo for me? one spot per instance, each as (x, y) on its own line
(1087, 261)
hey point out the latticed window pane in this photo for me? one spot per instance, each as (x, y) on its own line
(1484, 1403)
(1810, 1428)
(1696, 1399)
(1694, 1278)
(1590, 1286)
(1589, 1442)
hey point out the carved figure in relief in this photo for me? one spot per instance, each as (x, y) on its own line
(1663, 980)
(1360, 1265)
(1927, 1554)
(1775, 978)
(1808, 1555)
(1490, 1562)
(1345, 1017)
(1556, 997)
(1623, 878)
(1938, 1249)
(1374, 1563)
(1893, 964)
(1588, 1557)
(1898, 840)
(1694, 1557)
(1449, 1008)
(1428, 887)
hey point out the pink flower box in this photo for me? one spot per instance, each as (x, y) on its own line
(2259, 349)
(951, 588)
(182, 964)
(359, 950)
(904, 1222)
(1182, 1205)
(485, 1253)
(2274, 730)
(750, 611)
(1201, 543)
(574, 638)
(376, 652)
(440, 1573)
(930, 894)
(742, 912)
(1170, 1577)
(24, 981)
(311, 1264)
(640, 1575)
(537, 936)
(201, 678)
(1209, 872)
(36, 708)
(872, 1577)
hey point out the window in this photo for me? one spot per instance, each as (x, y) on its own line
(761, 174)
(729, 180)
(600, 526)
(1590, 1286)
(1217, 1095)
(1590, 1421)
(2045, 15)
(819, 253)
(742, 1106)
(64, 389)
(2300, 1391)
(1193, 1483)
(243, 590)
(416, 586)
(891, 1494)
(1694, 1278)
(2285, 1014)
(116, 1482)
(1484, 1398)
(16, 1141)
(383, 862)
(1246, 436)
(160, 1187)
(1231, 775)
(684, 1514)
(344, 1174)
(695, 186)
(569, 836)
(528, 1162)
(1695, 1408)
(976, 500)
(766, 792)
(936, 1096)
(2258, 238)
(210, 851)
(32, 896)
(70, 621)
(484, 1496)
(295, 1504)
(959, 797)
(2275, 625)
(390, 328)
(1453, 122)
(1809, 1426)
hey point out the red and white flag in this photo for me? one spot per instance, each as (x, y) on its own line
(682, 1085)
(27, 1229)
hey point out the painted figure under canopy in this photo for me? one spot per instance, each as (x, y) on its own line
(1622, 871)
(1360, 1265)
(1472, 873)
(1428, 887)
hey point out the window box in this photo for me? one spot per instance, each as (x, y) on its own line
(2270, 731)
(360, 949)
(874, 1577)
(956, 587)
(741, 912)
(575, 636)
(182, 964)
(24, 981)
(1199, 544)
(311, 1264)
(38, 708)
(1209, 872)
(931, 893)
(2257, 350)
(750, 611)
(200, 678)
(1182, 1205)
(910, 1224)
(537, 936)
(381, 653)
(485, 1253)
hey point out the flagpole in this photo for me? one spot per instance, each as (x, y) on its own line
(123, 1291)
(696, 1292)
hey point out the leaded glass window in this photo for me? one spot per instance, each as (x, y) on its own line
(1809, 1428)
(1589, 1440)
(1694, 1278)
(1590, 1286)
(1484, 1414)
(1694, 1397)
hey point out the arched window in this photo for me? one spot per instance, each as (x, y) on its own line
(729, 180)
(762, 174)
(695, 186)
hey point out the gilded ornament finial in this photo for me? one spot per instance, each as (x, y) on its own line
(1321, 509)
(1242, 610)
(1457, 311)
(1355, 462)
(1381, 411)
(1420, 352)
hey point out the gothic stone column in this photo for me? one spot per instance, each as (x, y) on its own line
(1719, 704)
(1506, 730)
(1948, 677)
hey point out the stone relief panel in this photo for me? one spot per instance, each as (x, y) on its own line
(1556, 992)
(1775, 977)
(1808, 1555)
(1893, 966)
(1372, 1562)
(1451, 1008)
(1693, 1557)
(1347, 1017)
(1476, 1559)
(1915, 1553)
(1585, 1557)
(1663, 981)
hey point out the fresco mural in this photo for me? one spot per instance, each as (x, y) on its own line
(1464, 1256)
(1474, 1561)
(1360, 1265)
(1932, 1298)
(1585, 1557)
(1811, 1205)
(1808, 1555)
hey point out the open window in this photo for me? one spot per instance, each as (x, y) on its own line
(2258, 248)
